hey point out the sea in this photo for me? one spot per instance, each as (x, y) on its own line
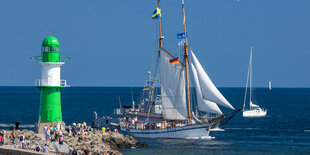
(285, 129)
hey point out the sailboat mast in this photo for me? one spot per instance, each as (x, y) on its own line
(186, 66)
(251, 77)
(247, 82)
(160, 31)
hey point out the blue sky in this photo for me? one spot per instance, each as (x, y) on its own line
(111, 43)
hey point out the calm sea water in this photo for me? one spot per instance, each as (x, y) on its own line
(285, 130)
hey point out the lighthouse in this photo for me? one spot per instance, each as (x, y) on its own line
(50, 83)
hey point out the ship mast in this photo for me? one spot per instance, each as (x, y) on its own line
(151, 94)
(186, 67)
(160, 32)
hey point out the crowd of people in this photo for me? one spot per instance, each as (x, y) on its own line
(134, 123)
(53, 135)
(78, 129)
(18, 141)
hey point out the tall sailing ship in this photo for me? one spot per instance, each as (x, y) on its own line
(177, 119)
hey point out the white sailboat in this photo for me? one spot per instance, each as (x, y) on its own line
(177, 119)
(269, 85)
(255, 110)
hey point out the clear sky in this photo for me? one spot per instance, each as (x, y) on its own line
(111, 42)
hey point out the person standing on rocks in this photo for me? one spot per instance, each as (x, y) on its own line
(60, 141)
(48, 132)
(45, 129)
(70, 132)
(57, 134)
(22, 139)
(52, 134)
(13, 136)
(60, 133)
(1, 138)
(74, 129)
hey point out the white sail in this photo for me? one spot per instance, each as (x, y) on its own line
(172, 81)
(270, 85)
(208, 89)
(203, 105)
(252, 105)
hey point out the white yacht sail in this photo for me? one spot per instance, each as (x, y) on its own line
(203, 105)
(172, 81)
(269, 85)
(208, 89)
(252, 105)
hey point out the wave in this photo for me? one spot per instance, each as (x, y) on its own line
(203, 137)
(217, 129)
(278, 130)
(244, 128)
(20, 126)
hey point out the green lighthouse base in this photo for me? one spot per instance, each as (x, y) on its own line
(50, 108)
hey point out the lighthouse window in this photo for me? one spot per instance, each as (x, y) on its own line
(55, 49)
(45, 49)
(50, 49)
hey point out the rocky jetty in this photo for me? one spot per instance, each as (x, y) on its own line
(95, 141)
(31, 138)
(98, 142)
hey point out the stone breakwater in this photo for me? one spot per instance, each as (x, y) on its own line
(99, 142)
(96, 141)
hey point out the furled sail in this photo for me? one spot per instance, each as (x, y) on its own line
(203, 105)
(252, 105)
(208, 89)
(172, 82)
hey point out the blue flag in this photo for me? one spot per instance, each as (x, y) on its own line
(181, 35)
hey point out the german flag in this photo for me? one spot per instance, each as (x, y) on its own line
(174, 61)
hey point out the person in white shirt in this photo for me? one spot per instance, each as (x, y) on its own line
(45, 129)
(45, 149)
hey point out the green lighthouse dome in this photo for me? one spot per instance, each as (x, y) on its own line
(50, 49)
(50, 41)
